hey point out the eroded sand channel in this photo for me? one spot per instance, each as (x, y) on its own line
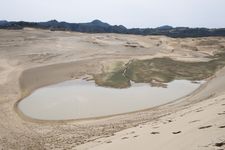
(78, 99)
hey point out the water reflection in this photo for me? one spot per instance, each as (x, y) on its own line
(77, 99)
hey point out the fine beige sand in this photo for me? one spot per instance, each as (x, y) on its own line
(32, 58)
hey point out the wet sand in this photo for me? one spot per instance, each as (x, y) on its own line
(35, 58)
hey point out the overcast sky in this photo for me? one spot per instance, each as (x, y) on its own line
(131, 13)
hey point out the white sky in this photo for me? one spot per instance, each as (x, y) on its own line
(131, 13)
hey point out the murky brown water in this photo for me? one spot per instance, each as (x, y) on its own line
(78, 99)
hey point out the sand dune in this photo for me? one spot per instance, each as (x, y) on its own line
(33, 58)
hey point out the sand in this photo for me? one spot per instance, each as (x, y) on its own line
(197, 127)
(32, 58)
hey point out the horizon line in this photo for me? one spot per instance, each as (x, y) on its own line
(113, 24)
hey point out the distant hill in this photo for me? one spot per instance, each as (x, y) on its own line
(3, 22)
(98, 26)
(165, 27)
(98, 23)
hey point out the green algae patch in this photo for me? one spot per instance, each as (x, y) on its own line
(159, 70)
(112, 79)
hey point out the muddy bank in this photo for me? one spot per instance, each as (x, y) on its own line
(37, 77)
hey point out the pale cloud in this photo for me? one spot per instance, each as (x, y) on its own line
(131, 13)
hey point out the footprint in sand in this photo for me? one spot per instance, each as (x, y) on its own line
(220, 144)
(176, 132)
(194, 121)
(223, 113)
(199, 110)
(167, 121)
(154, 132)
(222, 127)
(124, 138)
(204, 127)
(108, 141)
(135, 136)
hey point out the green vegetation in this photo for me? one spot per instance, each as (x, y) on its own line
(113, 79)
(159, 70)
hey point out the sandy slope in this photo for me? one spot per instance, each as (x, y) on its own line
(33, 58)
(199, 127)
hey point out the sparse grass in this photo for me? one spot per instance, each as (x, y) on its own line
(162, 70)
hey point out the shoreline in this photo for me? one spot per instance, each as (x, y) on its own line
(25, 117)
(68, 66)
